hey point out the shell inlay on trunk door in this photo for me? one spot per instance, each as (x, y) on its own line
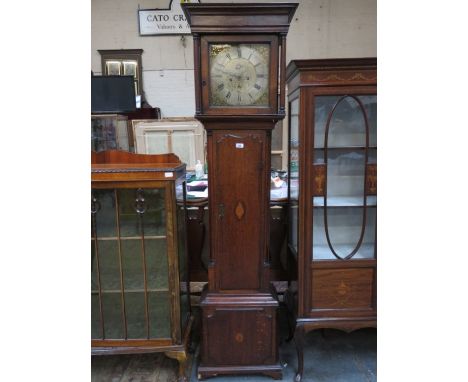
(240, 210)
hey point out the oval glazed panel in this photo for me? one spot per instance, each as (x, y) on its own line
(345, 155)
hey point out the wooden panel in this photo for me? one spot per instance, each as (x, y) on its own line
(332, 71)
(242, 336)
(363, 77)
(318, 185)
(239, 18)
(371, 180)
(239, 216)
(342, 288)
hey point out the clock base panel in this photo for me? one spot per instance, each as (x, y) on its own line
(239, 335)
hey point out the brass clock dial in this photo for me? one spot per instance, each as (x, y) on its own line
(239, 74)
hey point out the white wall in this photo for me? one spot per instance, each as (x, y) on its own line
(320, 29)
(333, 29)
(167, 60)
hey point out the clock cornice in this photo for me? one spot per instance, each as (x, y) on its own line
(239, 18)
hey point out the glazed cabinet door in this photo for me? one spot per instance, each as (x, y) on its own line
(238, 208)
(344, 202)
(130, 287)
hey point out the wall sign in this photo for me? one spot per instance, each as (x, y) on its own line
(164, 21)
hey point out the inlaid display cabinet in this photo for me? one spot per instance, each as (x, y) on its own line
(139, 287)
(332, 194)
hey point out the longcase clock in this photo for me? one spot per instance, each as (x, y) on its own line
(239, 60)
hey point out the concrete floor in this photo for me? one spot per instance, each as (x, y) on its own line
(329, 356)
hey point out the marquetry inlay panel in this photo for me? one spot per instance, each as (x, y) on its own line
(342, 288)
(318, 186)
(349, 77)
(240, 210)
(371, 180)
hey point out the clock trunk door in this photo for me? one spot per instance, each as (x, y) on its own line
(238, 189)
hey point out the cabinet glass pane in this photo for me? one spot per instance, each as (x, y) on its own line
(105, 216)
(94, 281)
(112, 312)
(154, 220)
(370, 105)
(159, 310)
(109, 264)
(345, 174)
(344, 227)
(157, 270)
(95, 320)
(136, 316)
(349, 201)
(132, 264)
(347, 124)
(156, 264)
(159, 306)
(319, 155)
(182, 254)
(294, 173)
(128, 218)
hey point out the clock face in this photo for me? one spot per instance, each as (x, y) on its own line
(239, 74)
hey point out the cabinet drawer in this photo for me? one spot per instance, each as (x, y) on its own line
(351, 288)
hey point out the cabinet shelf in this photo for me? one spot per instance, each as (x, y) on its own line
(344, 201)
(323, 252)
(130, 290)
(345, 148)
(129, 237)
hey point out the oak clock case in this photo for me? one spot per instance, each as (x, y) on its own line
(239, 51)
(332, 195)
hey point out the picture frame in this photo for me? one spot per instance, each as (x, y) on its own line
(184, 137)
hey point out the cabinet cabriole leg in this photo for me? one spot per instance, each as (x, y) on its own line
(299, 341)
(181, 357)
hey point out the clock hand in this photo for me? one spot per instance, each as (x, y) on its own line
(227, 72)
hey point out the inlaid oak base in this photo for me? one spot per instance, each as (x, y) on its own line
(239, 335)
